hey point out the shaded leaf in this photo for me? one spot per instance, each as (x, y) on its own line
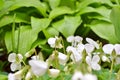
(68, 25)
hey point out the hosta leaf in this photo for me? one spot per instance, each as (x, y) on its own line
(29, 3)
(54, 3)
(115, 18)
(105, 30)
(60, 11)
(39, 24)
(68, 25)
(26, 39)
(1, 4)
(5, 20)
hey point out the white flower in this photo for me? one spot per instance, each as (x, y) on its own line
(74, 40)
(77, 76)
(91, 41)
(51, 42)
(15, 76)
(108, 48)
(93, 63)
(80, 76)
(89, 77)
(54, 73)
(28, 75)
(38, 67)
(62, 58)
(16, 61)
(104, 59)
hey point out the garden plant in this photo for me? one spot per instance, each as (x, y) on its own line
(59, 39)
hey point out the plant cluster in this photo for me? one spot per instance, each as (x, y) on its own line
(76, 61)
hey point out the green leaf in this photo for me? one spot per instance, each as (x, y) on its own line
(1, 4)
(60, 11)
(68, 25)
(39, 24)
(115, 18)
(104, 30)
(29, 3)
(3, 77)
(54, 3)
(27, 38)
(20, 17)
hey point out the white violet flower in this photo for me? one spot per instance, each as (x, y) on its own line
(93, 62)
(54, 73)
(38, 67)
(62, 58)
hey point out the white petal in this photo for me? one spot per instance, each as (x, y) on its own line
(80, 48)
(11, 76)
(28, 75)
(96, 59)
(51, 41)
(38, 67)
(77, 76)
(76, 57)
(54, 73)
(104, 58)
(89, 48)
(15, 66)
(108, 48)
(117, 49)
(70, 49)
(90, 41)
(89, 77)
(20, 57)
(70, 38)
(95, 66)
(88, 60)
(78, 39)
(62, 58)
(12, 57)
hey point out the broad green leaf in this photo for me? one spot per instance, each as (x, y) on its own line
(60, 11)
(54, 3)
(52, 31)
(26, 39)
(5, 20)
(29, 3)
(39, 24)
(104, 30)
(3, 77)
(1, 4)
(68, 25)
(115, 18)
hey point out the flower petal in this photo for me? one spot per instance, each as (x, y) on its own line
(78, 39)
(95, 59)
(77, 76)
(95, 66)
(54, 73)
(38, 67)
(89, 77)
(80, 48)
(89, 48)
(12, 57)
(62, 58)
(70, 38)
(15, 66)
(90, 41)
(108, 48)
(88, 60)
(20, 57)
(117, 49)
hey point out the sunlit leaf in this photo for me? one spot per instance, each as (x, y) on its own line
(105, 30)
(54, 3)
(68, 25)
(115, 18)
(60, 11)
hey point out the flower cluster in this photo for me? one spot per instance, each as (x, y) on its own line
(75, 58)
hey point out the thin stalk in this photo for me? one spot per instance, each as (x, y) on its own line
(13, 33)
(18, 38)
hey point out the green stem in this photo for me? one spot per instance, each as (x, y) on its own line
(13, 33)
(18, 38)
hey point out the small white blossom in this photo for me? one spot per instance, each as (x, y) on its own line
(93, 62)
(28, 75)
(108, 48)
(16, 61)
(77, 76)
(38, 67)
(91, 41)
(54, 73)
(89, 77)
(62, 58)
